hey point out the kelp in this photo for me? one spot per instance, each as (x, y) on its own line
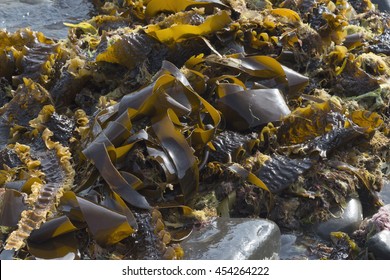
(279, 172)
(264, 106)
(130, 51)
(233, 146)
(28, 54)
(178, 33)
(170, 90)
(12, 206)
(109, 136)
(154, 7)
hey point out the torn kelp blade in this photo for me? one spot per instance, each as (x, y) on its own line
(247, 109)
(280, 172)
(106, 226)
(114, 202)
(135, 99)
(23, 186)
(175, 144)
(156, 6)
(52, 228)
(258, 66)
(97, 152)
(159, 156)
(11, 206)
(296, 82)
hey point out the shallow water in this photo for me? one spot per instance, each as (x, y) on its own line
(47, 16)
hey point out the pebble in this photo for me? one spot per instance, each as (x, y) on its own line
(348, 222)
(379, 245)
(234, 239)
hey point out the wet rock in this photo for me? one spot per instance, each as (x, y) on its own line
(349, 221)
(385, 193)
(379, 245)
(234, 239)
(290, 249)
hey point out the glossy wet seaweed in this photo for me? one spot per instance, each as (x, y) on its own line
(115, 132)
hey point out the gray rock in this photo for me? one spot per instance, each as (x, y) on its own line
(348, 222)
(234, 239)
(379, 245)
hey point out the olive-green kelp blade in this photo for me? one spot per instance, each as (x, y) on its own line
(106, 225)
(156, 6)
(52, 228)
(180, 152)
(11, 206)
(181, 32)
(98, 154)
(247, 109)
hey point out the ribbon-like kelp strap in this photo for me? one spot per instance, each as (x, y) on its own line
(97, 152)
(179, 151)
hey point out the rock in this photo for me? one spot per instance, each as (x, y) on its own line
(348, 222)
(385, 192)
(379, 245)
(290, 249)
(234, 239)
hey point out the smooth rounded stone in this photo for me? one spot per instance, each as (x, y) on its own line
(348, 222)
(384, 194)
(379, 245)
(234, 239)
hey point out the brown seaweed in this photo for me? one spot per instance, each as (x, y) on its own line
(152, 104)
(280, 172)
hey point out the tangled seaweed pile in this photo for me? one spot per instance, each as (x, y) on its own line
(155, 116)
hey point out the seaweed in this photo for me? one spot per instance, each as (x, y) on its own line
(275, 109)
